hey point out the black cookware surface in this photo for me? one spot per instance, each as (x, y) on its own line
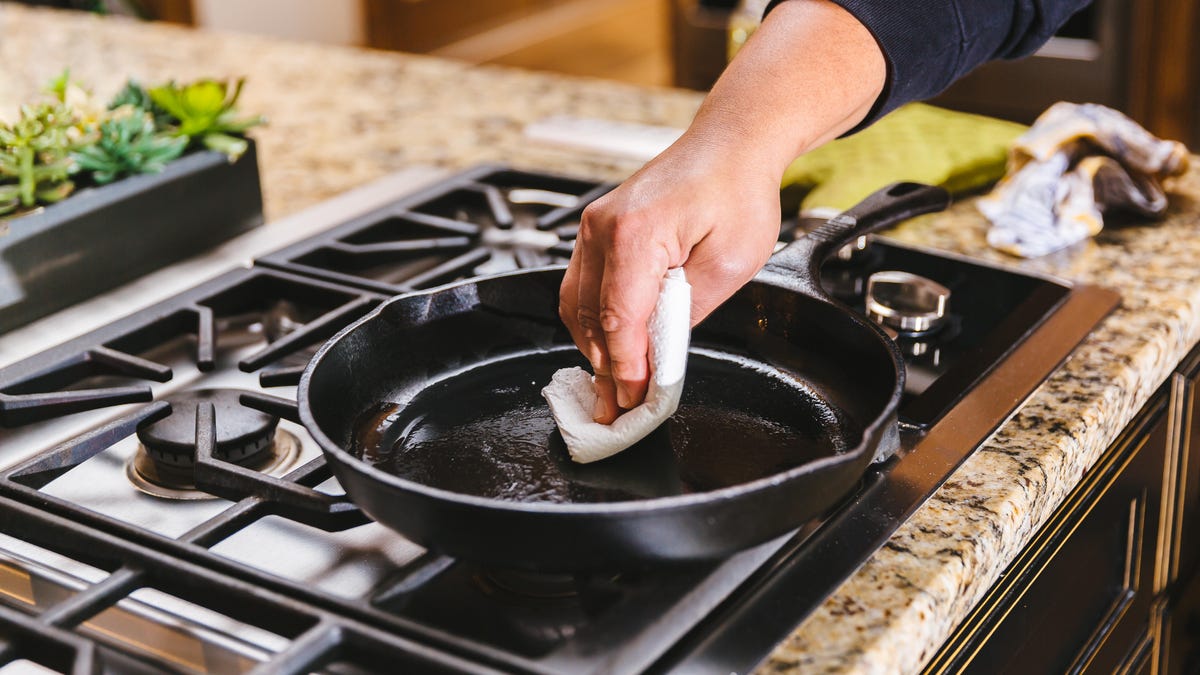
(487, 432)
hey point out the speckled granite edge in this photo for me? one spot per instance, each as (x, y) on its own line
(899, 608)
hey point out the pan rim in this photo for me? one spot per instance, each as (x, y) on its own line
(343, 458)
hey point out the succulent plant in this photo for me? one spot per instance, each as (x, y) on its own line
(128, 144)
(138, 132)
(35, 156)
(205, 113)
(134, 94)
(86, 111)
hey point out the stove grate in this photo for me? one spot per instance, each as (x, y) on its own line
(63, 380)
(317, 637)
(486, 220)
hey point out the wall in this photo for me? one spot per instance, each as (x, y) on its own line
(329, 21)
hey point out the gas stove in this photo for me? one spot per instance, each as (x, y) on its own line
(144, 530)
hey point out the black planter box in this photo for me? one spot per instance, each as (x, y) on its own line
(99, 238)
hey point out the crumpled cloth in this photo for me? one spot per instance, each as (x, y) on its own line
(572, 391)
(1077, 162)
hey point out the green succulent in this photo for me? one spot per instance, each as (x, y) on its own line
(35, 157)
(134, 94)
(87, 113)
(60, 84)
(205, 113)
(128, 144)
(140, 131)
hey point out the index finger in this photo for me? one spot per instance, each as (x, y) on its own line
(581, 318)
(628, 293)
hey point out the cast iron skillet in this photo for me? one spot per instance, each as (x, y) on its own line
(788, 398)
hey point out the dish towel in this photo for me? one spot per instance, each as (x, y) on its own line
(1076, 163)
(572, 392)
(916, 142)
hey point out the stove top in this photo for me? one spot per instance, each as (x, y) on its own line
(990, 310)
(483, 221)
(162, 507)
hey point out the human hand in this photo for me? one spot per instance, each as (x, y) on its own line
(710, 202)
(696, 206)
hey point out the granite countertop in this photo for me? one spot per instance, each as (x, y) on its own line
(338, 117)
(341, 117)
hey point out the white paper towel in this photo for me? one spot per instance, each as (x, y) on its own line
(572, 392)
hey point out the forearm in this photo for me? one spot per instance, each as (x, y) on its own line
(929, 44)
(809, 74)
(710, 203)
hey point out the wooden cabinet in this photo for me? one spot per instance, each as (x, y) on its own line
(623, 40)
(425, 25)
(699, 38)
(1181, 632)
(1180, 648)
(1080, 597)
(1110, 584)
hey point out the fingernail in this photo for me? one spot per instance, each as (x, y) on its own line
(600, 410)
(624, 398)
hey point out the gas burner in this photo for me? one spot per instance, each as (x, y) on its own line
(272, 322)
(166, 457)
(242, 435)
(521, 242)
(506, 227)
(906, 302)
(485, 221)
(539, 585)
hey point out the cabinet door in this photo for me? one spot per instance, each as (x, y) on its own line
(1079, 598)
(1185, 562)
(1181, 624)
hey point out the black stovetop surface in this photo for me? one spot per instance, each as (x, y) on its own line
(440, 613)
(991, 310)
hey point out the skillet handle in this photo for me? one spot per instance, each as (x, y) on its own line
(798, 265)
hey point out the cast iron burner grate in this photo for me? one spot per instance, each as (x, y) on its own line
(483, 221)
(266, 322)
(290, 312)
(512, 621)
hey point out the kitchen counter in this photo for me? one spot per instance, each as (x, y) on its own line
(341, 117)
(338, 117)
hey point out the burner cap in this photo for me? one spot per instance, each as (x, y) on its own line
(527, 584)
(242, 433)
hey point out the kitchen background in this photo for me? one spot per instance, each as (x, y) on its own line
(1139, 57)
(1071, 500)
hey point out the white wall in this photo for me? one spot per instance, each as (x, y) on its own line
(332, 21)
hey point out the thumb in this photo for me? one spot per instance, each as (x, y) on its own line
(716, 275)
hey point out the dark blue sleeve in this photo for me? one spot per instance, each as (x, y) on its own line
(928, 44)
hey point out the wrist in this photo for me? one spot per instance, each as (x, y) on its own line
(809, 74)
(733, 147)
